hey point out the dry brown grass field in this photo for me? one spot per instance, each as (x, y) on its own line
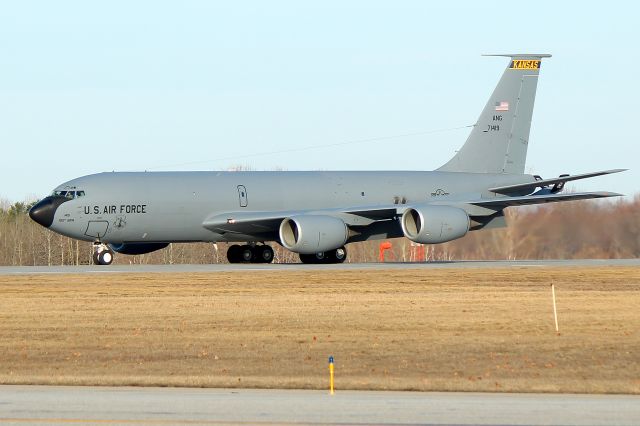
(444, 329)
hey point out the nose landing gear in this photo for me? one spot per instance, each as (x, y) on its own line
(250, 254)
(102, 254)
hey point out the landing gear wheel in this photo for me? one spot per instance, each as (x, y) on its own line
(105, 257)
(306, 258)
(246, 254)
(314, 258)
(233, 254)
(102, 254)
(263, 254)
(338, 255)
(320, 257)
(250, 254)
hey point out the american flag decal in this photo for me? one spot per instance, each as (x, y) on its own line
(502, 106)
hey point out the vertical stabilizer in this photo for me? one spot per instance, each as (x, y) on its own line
(499, 140)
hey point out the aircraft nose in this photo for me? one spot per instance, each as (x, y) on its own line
(44, 211)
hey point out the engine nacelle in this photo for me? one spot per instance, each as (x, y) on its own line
(137, 248)
(308, 234)
(434, 224)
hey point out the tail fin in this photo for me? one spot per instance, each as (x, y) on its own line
(498, 142)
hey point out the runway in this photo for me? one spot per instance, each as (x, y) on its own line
(107, 405)
(90, 269)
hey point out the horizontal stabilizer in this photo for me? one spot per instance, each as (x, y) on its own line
(520, 55)
(510, 189)
(501, 203)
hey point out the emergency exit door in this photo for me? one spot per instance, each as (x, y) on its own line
(242, 195)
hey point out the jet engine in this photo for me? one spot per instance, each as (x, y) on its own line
(434, 224)
(308, 234)
(137, 248)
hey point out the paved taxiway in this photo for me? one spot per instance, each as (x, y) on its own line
(104, 405)
(21, 270)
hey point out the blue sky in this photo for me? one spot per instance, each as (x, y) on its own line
(88, 87)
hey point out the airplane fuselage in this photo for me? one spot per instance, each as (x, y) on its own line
(172, 206)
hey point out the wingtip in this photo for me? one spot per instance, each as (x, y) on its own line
(606, 194)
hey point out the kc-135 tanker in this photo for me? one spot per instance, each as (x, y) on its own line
(317, 213)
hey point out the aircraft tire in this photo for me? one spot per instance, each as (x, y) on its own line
(307, 258)
(263, 254)
(246, 254)
(94, 257)
(105, 257)
(233, 254)
(320, 257)
(338, 255)
(315, 258)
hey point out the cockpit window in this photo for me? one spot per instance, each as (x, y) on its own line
(69, 194)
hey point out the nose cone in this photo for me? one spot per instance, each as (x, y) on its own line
(44, 211)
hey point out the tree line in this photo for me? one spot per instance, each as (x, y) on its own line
(573, 230)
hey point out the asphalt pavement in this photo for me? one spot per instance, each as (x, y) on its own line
(91, 269)
(126, 405)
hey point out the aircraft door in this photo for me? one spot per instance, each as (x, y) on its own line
(96, 228)
(242, 196)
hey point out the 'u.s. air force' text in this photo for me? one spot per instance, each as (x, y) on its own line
(113, 209)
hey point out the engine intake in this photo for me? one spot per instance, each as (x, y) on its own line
(434, 224)
(308, 234)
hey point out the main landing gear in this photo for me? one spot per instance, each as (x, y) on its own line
(338, 255)
(102, 254)
(250, 254)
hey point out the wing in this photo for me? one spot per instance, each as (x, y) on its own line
(557, 182)
(267, 222)
(246, 222)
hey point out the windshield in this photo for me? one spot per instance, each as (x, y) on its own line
(68, 194)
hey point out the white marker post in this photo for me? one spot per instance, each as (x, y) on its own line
(555, 312)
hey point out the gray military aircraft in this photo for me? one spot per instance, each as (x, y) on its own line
(316, 213)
